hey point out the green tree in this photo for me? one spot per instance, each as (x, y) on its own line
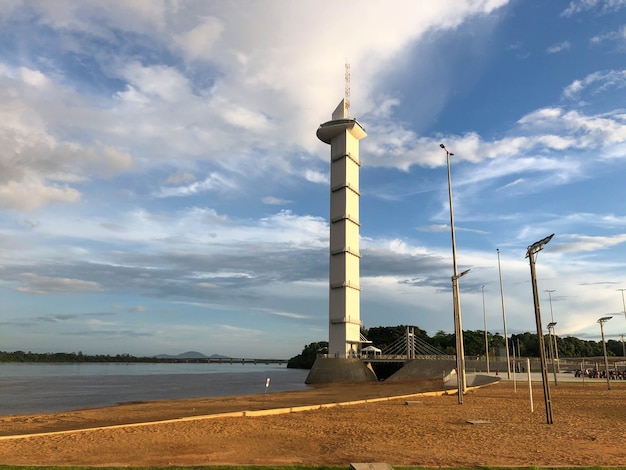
(384, 336)
(307, 357)
(474, 342)
(444, 342)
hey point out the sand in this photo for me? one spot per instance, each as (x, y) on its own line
(589, 429)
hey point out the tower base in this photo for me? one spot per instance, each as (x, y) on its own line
(327, 370)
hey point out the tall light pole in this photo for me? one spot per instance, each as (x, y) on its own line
(458, 324)
(556, 348)
(623, 302)
(551, 326)
(506, 336)
(485, 323)
(530, 254)
(602, 321)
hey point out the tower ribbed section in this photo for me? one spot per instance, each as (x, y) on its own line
(343, 134)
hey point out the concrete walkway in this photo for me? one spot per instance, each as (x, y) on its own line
(536, 377)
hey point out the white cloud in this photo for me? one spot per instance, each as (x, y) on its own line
(199, 42)
(513, 183)
(179, 178)
(32, 193)
(275, 201)
(39, 165)
(252, 84)
(560, 47)
(596, 82)
(213, 182)
(35, 284)
(604, 6)
(580, 243)
(97, 18)
(436, 228)
(582, 131)
(157, 81)
(279, 313)
(618, 35)
(316, 177)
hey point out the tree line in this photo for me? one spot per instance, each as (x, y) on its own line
(75, 357)
(525, 344)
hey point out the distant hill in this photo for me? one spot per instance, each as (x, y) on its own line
(189, 355)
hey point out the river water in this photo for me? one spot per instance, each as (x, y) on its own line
(40, 388)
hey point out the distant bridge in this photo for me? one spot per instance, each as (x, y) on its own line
(244, 360)
(227, 360)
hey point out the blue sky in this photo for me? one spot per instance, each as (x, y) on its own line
(162, 188)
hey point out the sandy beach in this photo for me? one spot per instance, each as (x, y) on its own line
(589, 429)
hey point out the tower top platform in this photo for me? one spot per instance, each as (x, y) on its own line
(331, 129)
(340, 121)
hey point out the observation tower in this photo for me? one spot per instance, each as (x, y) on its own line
(343, 134)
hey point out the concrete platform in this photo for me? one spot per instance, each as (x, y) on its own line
(423, 369)
(327, 370)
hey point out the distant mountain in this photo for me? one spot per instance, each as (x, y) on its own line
(186, 355)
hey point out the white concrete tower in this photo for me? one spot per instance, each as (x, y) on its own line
(343, 134)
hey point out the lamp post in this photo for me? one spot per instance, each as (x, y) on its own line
(623, 302)
(485, 324)
(530, 254)
(458, 324)
(506, 337)
(556, 348)
(551, 326)
(458, 333)
(602, 321)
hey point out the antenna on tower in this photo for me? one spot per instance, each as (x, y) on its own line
(347, 90)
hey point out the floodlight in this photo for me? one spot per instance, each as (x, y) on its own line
(447, 151)
(538, 246)
(460, 275)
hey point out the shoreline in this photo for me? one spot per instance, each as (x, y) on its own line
(175, 409)
(235, 414)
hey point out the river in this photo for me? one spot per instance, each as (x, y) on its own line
(39, 388)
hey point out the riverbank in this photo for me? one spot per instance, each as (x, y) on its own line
(429, 431)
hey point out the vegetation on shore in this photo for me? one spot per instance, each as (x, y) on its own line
(306, 358)
(21, 356)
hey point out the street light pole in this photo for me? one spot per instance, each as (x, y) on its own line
(556, 347)
(458, 324)
(486, 337)
(551, 326)
(602, 321)
(623, 302)
(530, 254)
(506, 336)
